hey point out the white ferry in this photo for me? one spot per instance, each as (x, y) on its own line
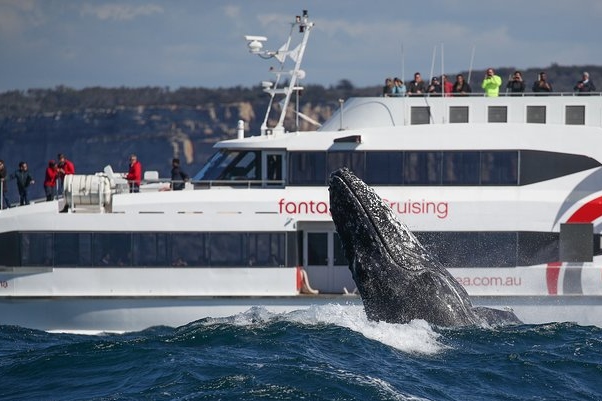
(506, 191)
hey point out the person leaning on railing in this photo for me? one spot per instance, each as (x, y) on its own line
(586, 85)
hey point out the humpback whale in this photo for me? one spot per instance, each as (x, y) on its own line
(397, 278)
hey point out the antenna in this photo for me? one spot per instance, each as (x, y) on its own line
(470, 66)
(433, 62)
(303, 25)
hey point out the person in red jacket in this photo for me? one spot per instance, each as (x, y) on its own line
(134, 175)
(64, 167)
(50, 180)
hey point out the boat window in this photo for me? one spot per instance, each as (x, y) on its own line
(37, 249)
(231, 165)
(307, 168)
(499, 168)
(189, 249)
(458, 114)
(461, 168)
(537, 166)
(9, 251)
(150, 249)
(536, 114)
(317, 249)
(72, 249)
(112, 249)
(245, 166)
(265, 249)
(497, 114)
(575, 115)
(422, 168)
(384, 168)
(354, 161)
(215, 165)
(420, 115)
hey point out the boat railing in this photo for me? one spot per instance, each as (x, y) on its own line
(502, 94)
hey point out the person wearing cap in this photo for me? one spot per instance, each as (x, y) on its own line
(50, 180)
(434, 89)
(491, 83)
(585, 85)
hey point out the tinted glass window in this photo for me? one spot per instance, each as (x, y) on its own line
(354, 161)
(307, 168)
(458, 114)
(37, 249)
(112, 249)
(150, 249)
(422, 168)
(461, 168)
(538, 166)
(384, 168)
(72, 249)
(499, 168)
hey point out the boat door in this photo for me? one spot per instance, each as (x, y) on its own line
(274, 171)
(325, 262)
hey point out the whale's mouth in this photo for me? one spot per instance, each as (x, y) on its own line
(399, 244)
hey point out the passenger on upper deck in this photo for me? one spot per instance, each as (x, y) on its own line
(24, 179)
(178, 176)
(134, 175)
(491, 83)
(416, 86)
(399, 89)
(542, 84)
(434, 89)
(64, 167)
(516, 83)
(3, 173)
(50, 180)
(461, 87)
(585, 85)
(388, 88)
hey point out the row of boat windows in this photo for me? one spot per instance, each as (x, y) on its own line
(574, 114)
(86, 249)
(231, 249)
(430, 168)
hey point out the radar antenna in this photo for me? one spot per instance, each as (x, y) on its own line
(302, 25)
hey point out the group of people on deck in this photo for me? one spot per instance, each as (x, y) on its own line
(53, 180)
(56, 172)
(394, 87)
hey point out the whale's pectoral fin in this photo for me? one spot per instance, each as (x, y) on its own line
(496, 317)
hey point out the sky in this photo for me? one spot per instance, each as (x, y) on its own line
(199, 43)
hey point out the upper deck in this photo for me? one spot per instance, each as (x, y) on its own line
(555, 109)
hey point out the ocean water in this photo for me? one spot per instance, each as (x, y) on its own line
(324, 353)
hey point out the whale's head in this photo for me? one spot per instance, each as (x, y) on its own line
(398, 279)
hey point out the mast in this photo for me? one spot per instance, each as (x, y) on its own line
(302, 25)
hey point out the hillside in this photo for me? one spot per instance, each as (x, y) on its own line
(99, 126)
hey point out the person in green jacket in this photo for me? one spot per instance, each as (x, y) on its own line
(491, 83)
